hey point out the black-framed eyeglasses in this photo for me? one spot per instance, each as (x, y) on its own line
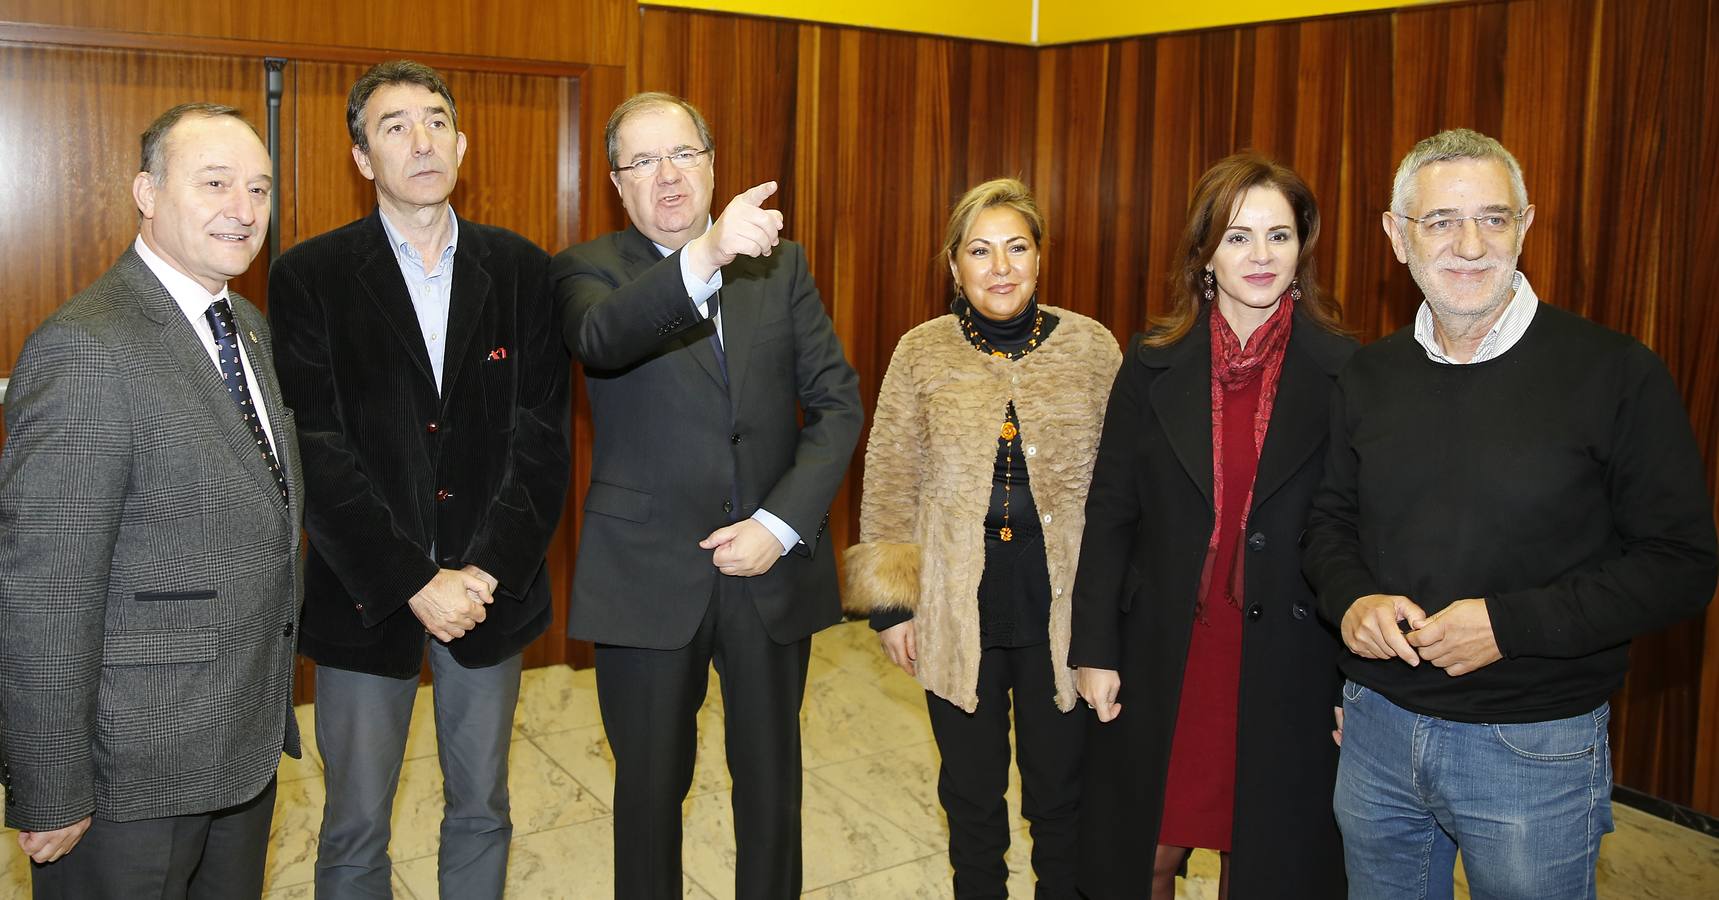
(1436, 226)
(646, 166)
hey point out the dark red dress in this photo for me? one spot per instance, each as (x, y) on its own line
(1199, 795)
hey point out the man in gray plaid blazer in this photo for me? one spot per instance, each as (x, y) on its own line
(149, 531)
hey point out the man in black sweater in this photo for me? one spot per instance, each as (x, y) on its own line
(1512, 494)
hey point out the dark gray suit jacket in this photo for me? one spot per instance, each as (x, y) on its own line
(149, 574)
(675, 447)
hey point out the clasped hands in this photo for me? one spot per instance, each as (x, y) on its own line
(453, 602)
(1458, 639)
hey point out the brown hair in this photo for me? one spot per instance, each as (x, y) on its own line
(1009, 192)
(399, 71)
(1218, 190)
(154, 139)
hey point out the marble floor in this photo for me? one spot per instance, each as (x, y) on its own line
(873, 828)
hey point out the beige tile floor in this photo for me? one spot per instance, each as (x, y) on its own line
(873, 828)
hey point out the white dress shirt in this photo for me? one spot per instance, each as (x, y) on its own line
(194, 302)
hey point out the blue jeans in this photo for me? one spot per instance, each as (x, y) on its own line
(1526, 804)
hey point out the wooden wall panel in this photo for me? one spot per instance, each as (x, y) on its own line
(67, 158)
(586, 31)
(1613, 109)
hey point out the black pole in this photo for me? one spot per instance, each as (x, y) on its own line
(276, 87)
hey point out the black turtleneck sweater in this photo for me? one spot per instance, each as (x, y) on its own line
(1014, 589)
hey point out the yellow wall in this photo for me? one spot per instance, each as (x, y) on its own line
(1057, 21)
(1064, 21)
(1001, 20)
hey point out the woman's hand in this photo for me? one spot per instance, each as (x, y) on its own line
(899, 645)
(1338, 734)
(1099, 687)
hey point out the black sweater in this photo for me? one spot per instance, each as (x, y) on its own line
(1559, 481)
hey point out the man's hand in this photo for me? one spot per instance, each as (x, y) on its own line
(1458, 639)
(900, 645)
(1370, 627)
(487, 579)
(48, 846)
(743, 229)
(451, 604)
(1099, 687)
(745, 548)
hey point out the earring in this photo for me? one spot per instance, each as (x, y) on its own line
(1295, 289)
(1211, 283)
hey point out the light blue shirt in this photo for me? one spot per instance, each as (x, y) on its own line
(431, 293)
(700, 292)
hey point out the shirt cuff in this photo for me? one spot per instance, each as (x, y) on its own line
(699, 291)
(783, 532)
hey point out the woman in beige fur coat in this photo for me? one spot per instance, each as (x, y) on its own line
(976, 475)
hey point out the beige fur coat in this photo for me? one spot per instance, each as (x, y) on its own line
(928, 470)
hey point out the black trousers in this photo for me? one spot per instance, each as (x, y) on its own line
(975, 773)
(209, 856)
(650, 701)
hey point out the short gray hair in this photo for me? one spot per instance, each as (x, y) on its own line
(640, 103)
(154, 140)
(1446, 146)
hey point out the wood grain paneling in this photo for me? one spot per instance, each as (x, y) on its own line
(1613, 109)
(68, 154)
(587, 31)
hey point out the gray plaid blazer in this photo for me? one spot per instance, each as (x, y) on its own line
(149, 575)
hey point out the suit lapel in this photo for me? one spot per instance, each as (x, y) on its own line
(268, 392)
(465, 307)
(198, 372)
(1298, 417)
(740, 308)
(1182, 398)
(379, 273)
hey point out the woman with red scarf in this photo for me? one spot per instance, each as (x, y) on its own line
(1212, 679)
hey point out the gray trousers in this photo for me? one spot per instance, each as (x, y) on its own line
(208, 856)
(361, 723)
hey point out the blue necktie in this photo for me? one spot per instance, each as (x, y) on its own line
(220, 316)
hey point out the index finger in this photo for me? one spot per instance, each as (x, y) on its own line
(759, 193)
(1399, 644)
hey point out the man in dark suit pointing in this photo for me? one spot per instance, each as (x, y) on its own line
(725, 416)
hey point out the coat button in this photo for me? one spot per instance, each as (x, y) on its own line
(286, 630)
(734, 438)
(1255, 611)
(444, 494)
(1299, 610)
(432, 426)
(1047, 518)
(358, 606)
(728, 506)
(1256, 541)
(1032, 450)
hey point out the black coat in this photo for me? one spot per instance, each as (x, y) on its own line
(391, 469)
(1148, 517)
(680, 451)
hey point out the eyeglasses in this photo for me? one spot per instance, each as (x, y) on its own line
(1443, 226)
(646, 166)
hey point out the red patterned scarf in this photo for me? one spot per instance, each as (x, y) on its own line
(1233, 367)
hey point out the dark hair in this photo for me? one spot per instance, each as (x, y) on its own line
(638, 103)
(398, 71)
(1216, 195)
(154, 140)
